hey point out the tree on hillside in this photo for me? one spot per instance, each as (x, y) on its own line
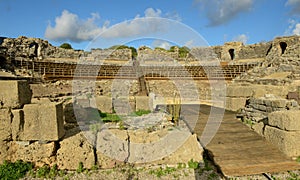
(66, 46)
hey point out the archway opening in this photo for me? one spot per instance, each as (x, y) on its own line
(231, 53)
(2, 62)
(283, 47)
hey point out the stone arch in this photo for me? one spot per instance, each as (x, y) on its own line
(283, 46)
(34, 52)
(231, 53)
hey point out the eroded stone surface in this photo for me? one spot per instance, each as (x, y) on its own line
(286, 141)
(39, 154)
(75, 148)
(43, 122)
(5, 124)
(285, 120)
(14, 94)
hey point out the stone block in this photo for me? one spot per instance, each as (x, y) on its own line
(17, 124)
(239, 91)
(104, 104)
(258, 107)
(279, 103)
(285, 120)
(39, 154)
(191, 149)
(143, 103)
(75, 148)
(112, 148)
(4, 151)
(14, 94)
(286, 141)
(123, 105)
(43, 122)
(5, 124)
(234, 104)
(69, 115)
(259, 128)
(259, 92)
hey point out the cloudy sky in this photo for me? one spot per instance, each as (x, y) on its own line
(81, 21)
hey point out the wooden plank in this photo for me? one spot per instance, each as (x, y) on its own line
(236, 149)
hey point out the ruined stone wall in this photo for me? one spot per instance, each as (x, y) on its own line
(266, 110)
(47, 132)
(112, 54)
(147, 55)
(34, 48)
(186, 89)
(230, 51)
(281, 65)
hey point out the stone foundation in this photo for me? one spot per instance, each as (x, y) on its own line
(14, 94)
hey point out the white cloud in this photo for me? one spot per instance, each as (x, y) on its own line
(295, 5)
(222, 11)
(293, 29)
(241, 38)
(189, 44)
(296, 31)
(69, 26)
(161, 44)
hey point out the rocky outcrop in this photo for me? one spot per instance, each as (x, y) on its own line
(38, 49)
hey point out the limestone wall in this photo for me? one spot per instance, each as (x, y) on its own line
(266, 110)
(111, 54)
(283, 130)
(55, 130)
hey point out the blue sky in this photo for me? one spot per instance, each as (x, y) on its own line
(217, 21)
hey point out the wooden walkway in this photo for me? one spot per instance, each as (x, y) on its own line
(235, 148)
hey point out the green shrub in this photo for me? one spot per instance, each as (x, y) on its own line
(16, 170)
(80, 168)
(66, 46)
(43, 172)
(193, 164)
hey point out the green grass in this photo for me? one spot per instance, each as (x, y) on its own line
(298, 159)
(16, 170)
(110, 118)
(48, 172)
(159, 172)
(80, 168)
(193, 164)
(142, 112)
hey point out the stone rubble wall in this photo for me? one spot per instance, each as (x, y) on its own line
(283, 130)
(281, 65)
(266, 110)
(213, 53)
(110, 54)
(258, 109)
(45, 131)
(34, 48)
